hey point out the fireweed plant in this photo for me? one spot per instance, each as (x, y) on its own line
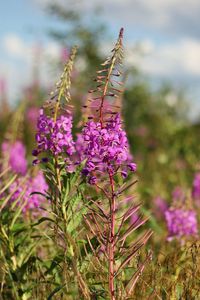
(15, 154)
(88, 181)
(18, 208)
(196, 189)
(55, 149)
(181, 216)
(108, 161)
(14, 161)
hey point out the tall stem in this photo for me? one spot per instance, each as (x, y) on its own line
(56, 195)
(111, 240)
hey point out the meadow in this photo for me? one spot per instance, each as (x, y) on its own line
(99, 189)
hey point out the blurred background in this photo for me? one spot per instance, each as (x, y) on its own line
(161, 105)
(162, 41)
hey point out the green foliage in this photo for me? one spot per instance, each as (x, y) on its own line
(18, 255)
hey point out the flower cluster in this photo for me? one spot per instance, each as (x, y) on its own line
(22, 190)
(181, 223)
(196, 187)
(105, 149)
(16, 155)
(54, 136)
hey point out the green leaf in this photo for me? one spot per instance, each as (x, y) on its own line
(18, 228)
(55, 291)
(43, 219)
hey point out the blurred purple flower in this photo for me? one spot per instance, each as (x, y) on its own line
(178, 194)
(196, 187)
(64, 54)
(32, 184)
(134, 218)
(141, 131)
(79, 145)
(3, 87)
(32, 115)
(181, 223)
(160, 206)
(15, 153)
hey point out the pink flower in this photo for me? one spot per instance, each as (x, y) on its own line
(54, 136)
(16, 154)
(181, 223)
(105, 149)
(31, 185)
(196, 188)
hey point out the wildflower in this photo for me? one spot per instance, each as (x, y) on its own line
(54, 135)
(25, 188)
(196, 187)
(106, 149)
(178, 194)
(79, 145)
(181, 223)
(32, 115)
(15, 153)
(64, 55)
(160, 206)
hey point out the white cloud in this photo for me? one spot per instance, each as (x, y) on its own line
(19, 48)
(14, 83)
(14, 45)
(173, 17)
(180, 60)
(16, 67)
(52, 50)
(171, 60)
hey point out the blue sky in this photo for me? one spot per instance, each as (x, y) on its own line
(24, 17)
(167, 32)
(23, 29)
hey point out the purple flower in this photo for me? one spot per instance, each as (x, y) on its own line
(160, 206)
(64, 55)
(181, 223)
(196, 187)
(132, 167)
(178, 194)
(106, 149)
(79, 145)
(32, 115)
(32, 184)
(54, 136)
(92, 180)
(16, 155)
